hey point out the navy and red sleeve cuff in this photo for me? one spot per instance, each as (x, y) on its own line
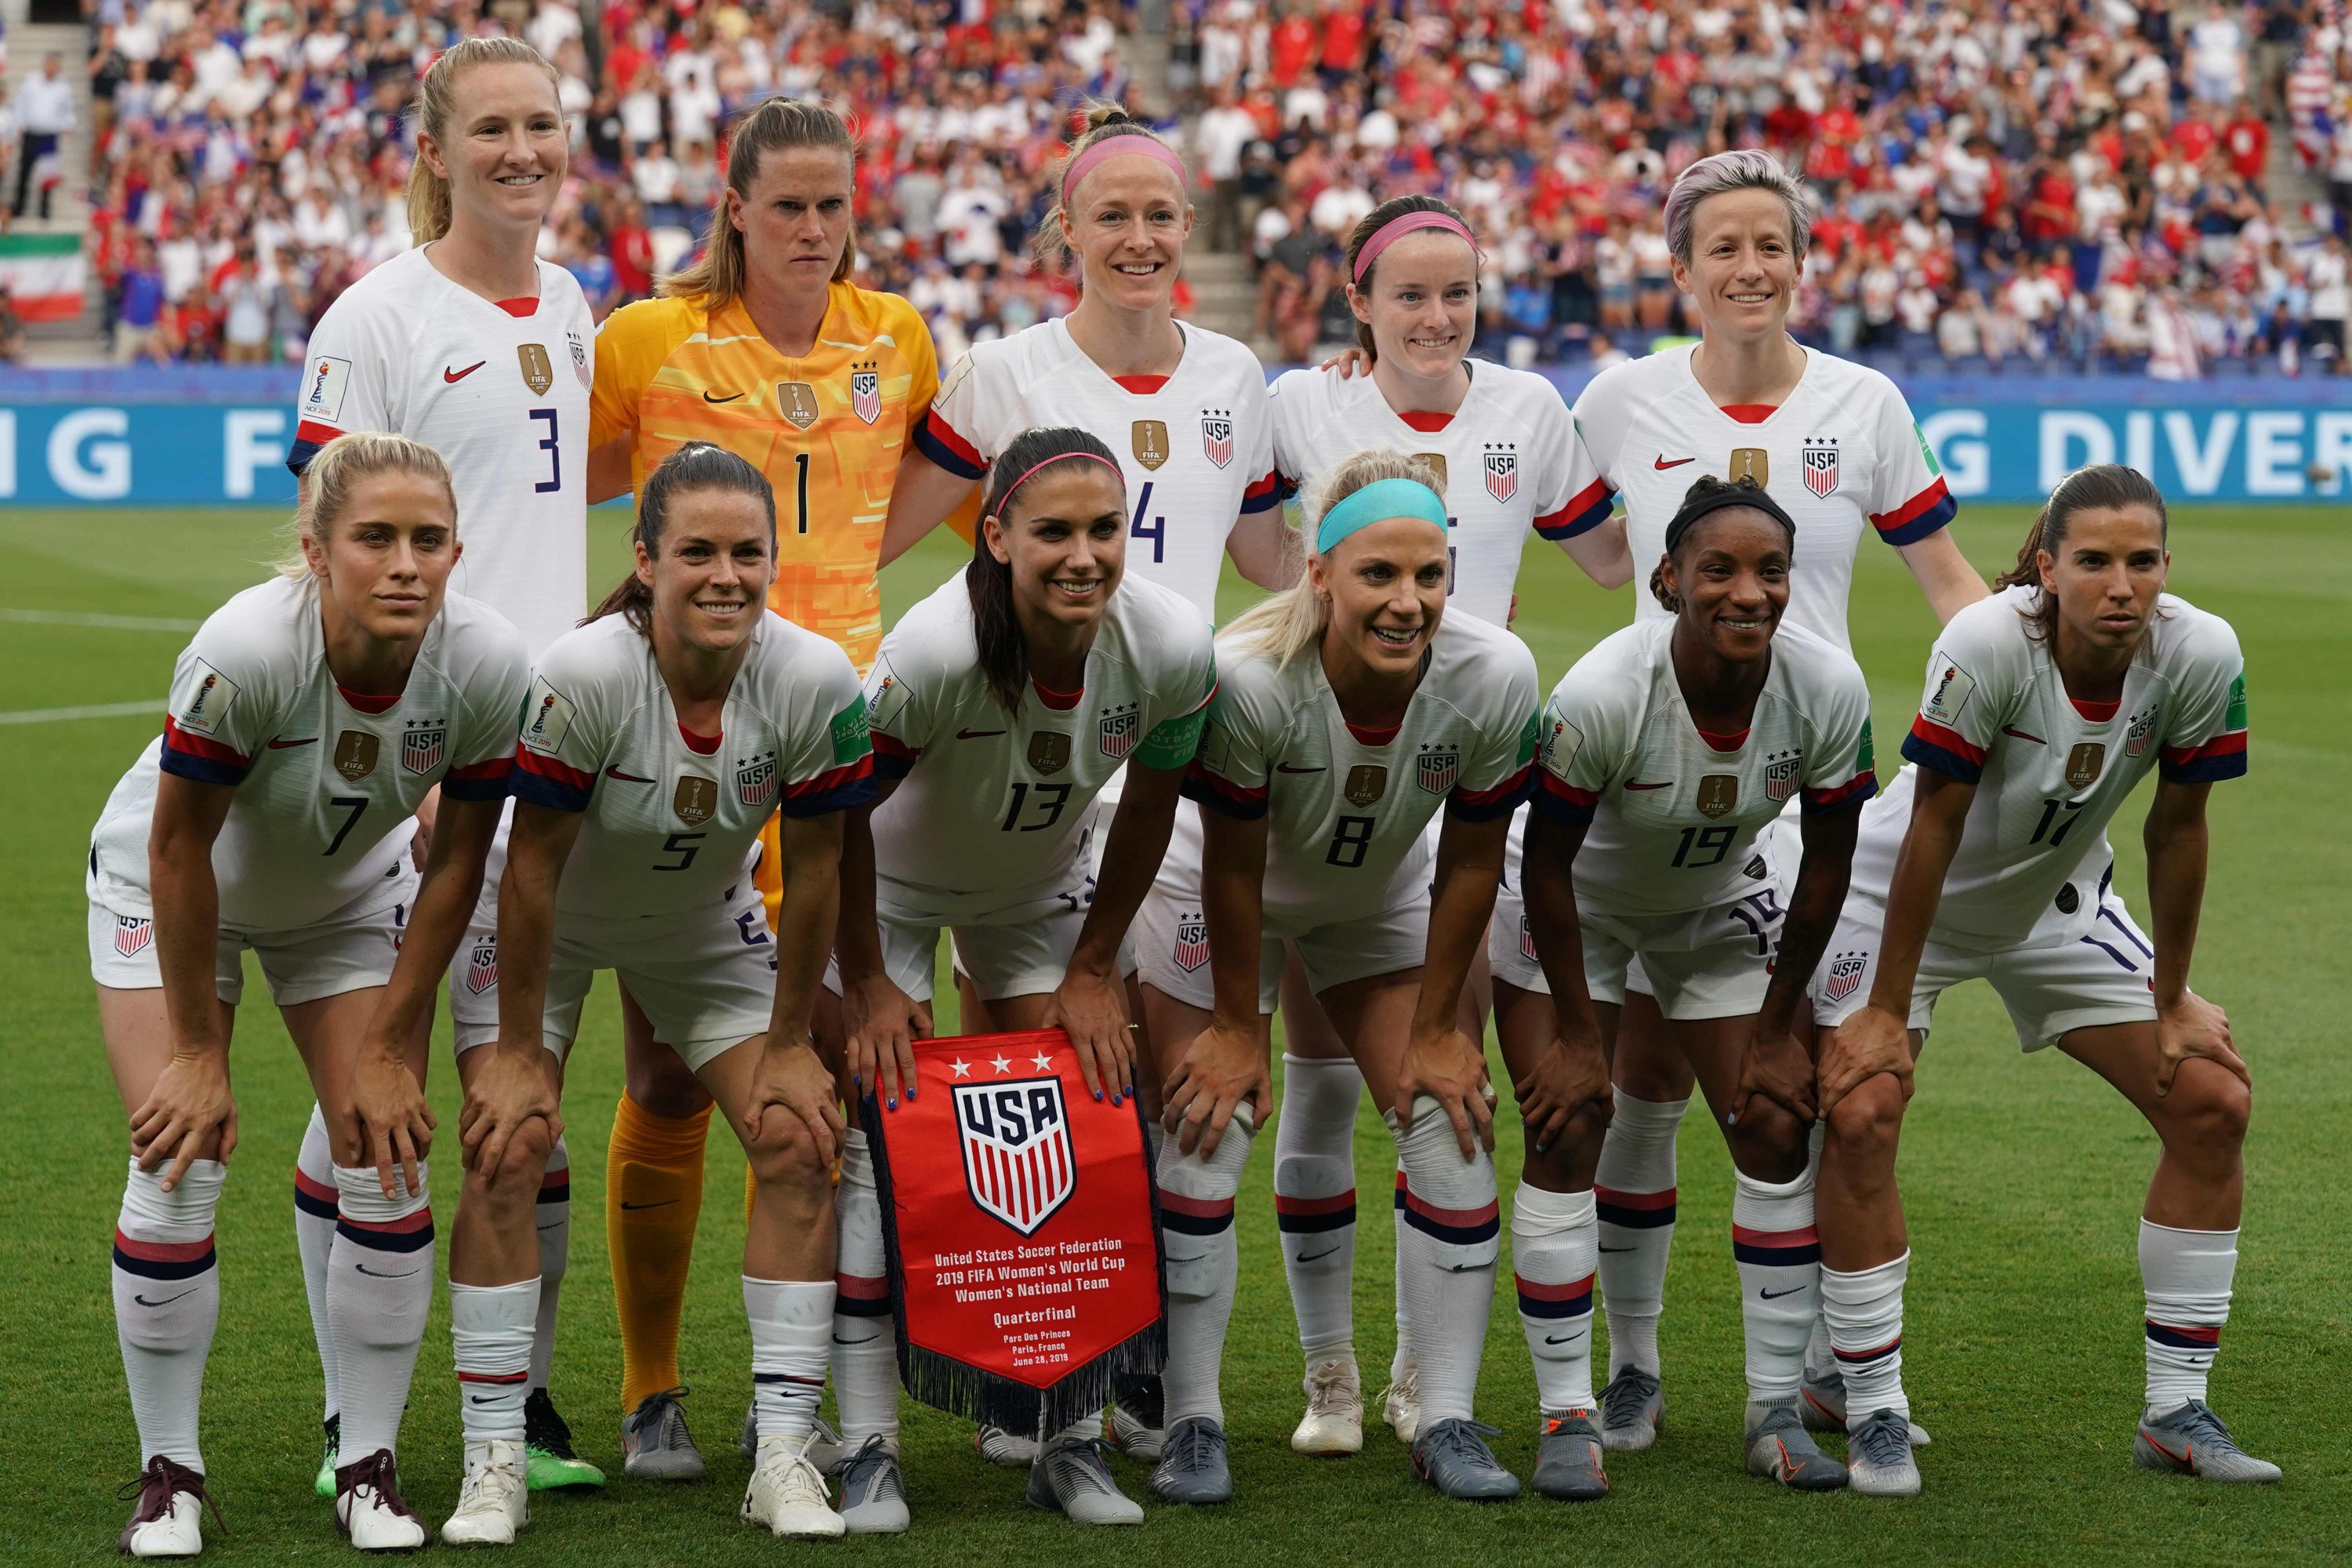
(1264, 494)
(204, 761)
(893, 758)
(478, 781)
(1846, 797)
(836, 789)
(1222, 795)
(539, 780)
(938, 440)
(1485, 805)
(1564, 803)
(2223, 757)
(1918, 518)
(1931, 745)
(1587, 510)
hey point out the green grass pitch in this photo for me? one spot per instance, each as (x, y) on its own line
(2023, 1177)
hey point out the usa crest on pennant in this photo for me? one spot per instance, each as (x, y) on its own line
(1016, 1140)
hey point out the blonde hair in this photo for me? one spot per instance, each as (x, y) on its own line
(428, 192)
(1103, 120)
(776, 126)
(341, 466)
(1284, 626)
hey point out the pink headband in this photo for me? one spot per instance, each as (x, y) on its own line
(1006, 498)
(1142, 144)
(1396, 228)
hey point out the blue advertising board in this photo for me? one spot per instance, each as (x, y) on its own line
(206, 435)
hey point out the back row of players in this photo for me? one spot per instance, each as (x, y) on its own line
(331, 791)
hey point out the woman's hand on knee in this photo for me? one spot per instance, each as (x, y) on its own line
(881, 1023)
(1568, 1084)
(394, 1124)
(1774, 1067)
(1446, 1066)
(790, 1096)
(511, 1087)
(1873, 1041)
(1222, 1069)
(2195, 1028)
(189, 1112)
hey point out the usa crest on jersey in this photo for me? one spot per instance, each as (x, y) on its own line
(865, 395)
(1217, 434)
(482, 965)
(132, 935)
(1192, 945)
(755, 779)
(1438, 768)
(1016, 1140)
(1819, 459)
(1845, 975)
(1502, 473)
(423, 744)
(1119, 731)
(2143, 729)
(1781, 775)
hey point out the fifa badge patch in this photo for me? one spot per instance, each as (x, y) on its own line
(2143, 729)
(1192, 945)
(695, 799)
(755, 779)
(210, 705)
(796, 400)
(1749, 463)
(423, 744)
(1819, 459)
(1015, 1138)
(1781, 775)
(1845, 975)
(1367, 782)
(1950, 695)
(1049, 751)
(579, 346)
(356, 755)
(1437, 768)
(546, 718)
(1717, 793)
(1436, 461)
(1561, 741)
(482, 965)
(1217, 434)
(538, 370)
(866, 394)
(1149, 440)
(132, 936)
(2083, 762)
(329, 379)
(1502, 471)
(1119, 731)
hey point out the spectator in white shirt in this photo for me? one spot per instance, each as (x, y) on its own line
(45, 116)
(1219, 139)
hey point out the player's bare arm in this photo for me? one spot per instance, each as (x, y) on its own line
(1779, 1065)
(790, 1077)
(191, 1104)
(1944, 575)
(879, 1022)
(1225, 1065)
(517, 1080)
(1090, 1004)
(1571, 1079)
(2187, 1024)
(1440, 1060)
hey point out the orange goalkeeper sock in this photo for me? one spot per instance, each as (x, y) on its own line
(653, 1195)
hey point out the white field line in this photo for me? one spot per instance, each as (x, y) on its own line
(95, 619)
(95, 710)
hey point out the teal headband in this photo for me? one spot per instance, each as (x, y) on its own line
(1377, 502)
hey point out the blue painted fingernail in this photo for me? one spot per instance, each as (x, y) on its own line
(910, 1091)
(894, 1102)
(1098, 1094)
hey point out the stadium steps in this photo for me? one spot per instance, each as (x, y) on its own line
(74, 337)
(1224, 292)
(2290, 188)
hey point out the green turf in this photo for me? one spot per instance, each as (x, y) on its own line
(2024, 1176)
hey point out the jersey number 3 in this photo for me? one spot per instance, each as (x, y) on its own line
(554, 480)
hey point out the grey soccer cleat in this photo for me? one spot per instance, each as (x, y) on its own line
(1878, 1461)
(1779, 1447)
(1193, 1466)
(1632, 1409)
(1568, 1459)
(1072, 1477)
(1452, 1456)
(1008, 1450)
(655, 1445)
(1821, 1404)
(1135, 1423)
(873, 1492)
(826, 1451)
(2191, 1441)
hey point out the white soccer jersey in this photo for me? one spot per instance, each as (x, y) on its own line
(1509, 458)
(327, 782)
(1673, 812)
(1347, 805)
(1197, 447)
(673, 814)
(2050, 772)
(1842, 451)
(501, 392)
(993, 806)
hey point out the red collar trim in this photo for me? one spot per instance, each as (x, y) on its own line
(1751, 412)
(700, 745)
(1371, 735)
(1725, 743)
(1060, 701)
(2096, 713)
(525, 308)
(1141, 385)
(1427, 424)
(366, 703)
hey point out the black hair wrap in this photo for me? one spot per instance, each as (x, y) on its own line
(1710, 494)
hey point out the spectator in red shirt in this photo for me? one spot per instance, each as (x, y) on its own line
(2248, 141)
(633, 250)
(1343, 40)
(1291, 44)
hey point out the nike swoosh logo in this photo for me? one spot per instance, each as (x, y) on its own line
(1313, 1256)
(373, 1275)
(165, 1302)
(627, 1208)
(729, 398)
(976, 734)
(1661, 784)
(454, 376)
(614, 772)
(477, 1399)
(1775, 1295)
(1287, 768)
(288, 745)
(2183, 1457)
(1662, 465)
(1562, 1339)
(1620, 1249)
(557, 1226)
(2012, 730)
(866, 1340)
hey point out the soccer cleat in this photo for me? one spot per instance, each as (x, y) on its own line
(1072, 1476)
(1334, 1422)
(1632, 1409)
(496, 1501)
(1878, 1461)
(1568, 1459)
(787, 1495)
(1777, 1446)
(1008, 1450)
(169, 1519)
(1401, 1404)
(655, 1445)
(1453, 1456)
(828, 1453)
(325, 1484)
(2191, 1441)
(370, 1509)
(873, 1492)
(1135, 1424)
(552, 1464)
(1821, 1402)
(1193, 1466)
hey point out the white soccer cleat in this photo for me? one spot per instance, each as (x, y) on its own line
(1004, 1449)
(1400, 1405)
(788, 1494)
(1334, 1422)
(496, 1503)
(169, 1520)
(370, 1509)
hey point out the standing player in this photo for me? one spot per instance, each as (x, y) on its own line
(1349, 710)
(307, 720)
(1505, 456)
(765, 348)
(2045, 708)
(1835, 444)
(1002, 706)
(471, 344)
(1667, 752)
(656, 740)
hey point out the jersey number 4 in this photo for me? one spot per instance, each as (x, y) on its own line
(1157, 532)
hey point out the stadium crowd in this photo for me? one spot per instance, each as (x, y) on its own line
(2070, 183)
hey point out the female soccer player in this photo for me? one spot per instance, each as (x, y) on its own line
(655, 740)
(1002, 705)
(1835, 444)
(307, 719)
(1507, 461)
(764, 347)
(473, 345)
(2045, 708)
(1666, 752)
(1349, 709)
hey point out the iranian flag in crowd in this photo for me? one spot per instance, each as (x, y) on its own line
(43, 274)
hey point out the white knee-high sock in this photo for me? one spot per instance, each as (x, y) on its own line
(314, 1237)
(1451, 1239)
(2188, 1276)
(864, 1344)
(1196, 1239)
(492, 1328)
(1315, 1201)
(1780, 1257)
(1865, 1313)
(1820, 1354)
(1400, 1359)
(1634, 1193)
(1555, 1246)
(792, 1328)
(379, 1288)
(554, 1221)
(166, 1302)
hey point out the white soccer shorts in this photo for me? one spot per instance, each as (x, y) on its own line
(1171, 948)
(1021, 951)
(350, 950)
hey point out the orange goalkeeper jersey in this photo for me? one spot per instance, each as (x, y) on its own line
(827, 429)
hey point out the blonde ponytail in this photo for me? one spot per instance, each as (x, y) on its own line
(1284, 626)
(428, 192)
